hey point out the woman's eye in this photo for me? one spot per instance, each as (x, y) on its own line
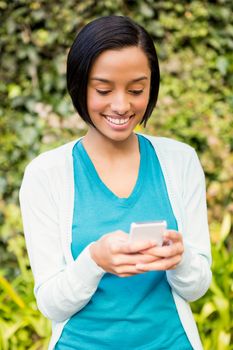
(136, 92)
(103, 92)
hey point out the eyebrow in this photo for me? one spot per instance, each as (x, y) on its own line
(109, 81)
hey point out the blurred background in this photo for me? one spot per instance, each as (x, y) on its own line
(194, 40)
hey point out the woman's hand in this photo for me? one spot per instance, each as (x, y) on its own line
(166, 257)
(115, 254)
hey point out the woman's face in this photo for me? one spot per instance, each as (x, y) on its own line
(118, 92)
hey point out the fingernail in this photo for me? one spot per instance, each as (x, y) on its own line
(139, 266)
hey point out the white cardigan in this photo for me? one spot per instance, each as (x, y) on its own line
(64, 286)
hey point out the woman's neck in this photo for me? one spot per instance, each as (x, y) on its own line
(100, 146)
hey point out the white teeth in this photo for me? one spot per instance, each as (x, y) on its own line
(117, 121)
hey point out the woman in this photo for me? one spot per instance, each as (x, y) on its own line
(100, 290)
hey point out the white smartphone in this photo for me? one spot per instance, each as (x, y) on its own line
(148, 230)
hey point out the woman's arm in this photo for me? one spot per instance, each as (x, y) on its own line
(61, 289)
(188, 259)
(192, 277)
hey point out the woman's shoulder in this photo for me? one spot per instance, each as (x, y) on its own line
(169, 145)
(53, 158)
(176, 157)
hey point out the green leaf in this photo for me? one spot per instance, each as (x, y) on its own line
(222, 65)
(225, 227)
(11, 292)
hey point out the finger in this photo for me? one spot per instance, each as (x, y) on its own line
(120, 234)
(145, 258)
(149, 251)
(153, 258)
(167, 242)
(172, 235)
(126, 270)
(132, 259)
(168, 250)
(174, 267)
(130, 274)
(160, 265)
(135, 247)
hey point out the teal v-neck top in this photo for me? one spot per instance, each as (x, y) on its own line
(133, 313)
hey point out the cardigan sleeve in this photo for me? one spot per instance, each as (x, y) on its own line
(61, 289)
(192, 277)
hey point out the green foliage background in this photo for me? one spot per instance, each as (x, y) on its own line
(194, 40)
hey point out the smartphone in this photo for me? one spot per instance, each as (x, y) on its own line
(148, 230)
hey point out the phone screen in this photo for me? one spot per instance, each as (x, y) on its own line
(148, 230)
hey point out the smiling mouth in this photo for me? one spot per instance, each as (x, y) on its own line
(118, 121)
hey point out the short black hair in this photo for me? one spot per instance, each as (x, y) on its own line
(107, 33)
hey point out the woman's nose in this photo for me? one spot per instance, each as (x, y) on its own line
(120, 104)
